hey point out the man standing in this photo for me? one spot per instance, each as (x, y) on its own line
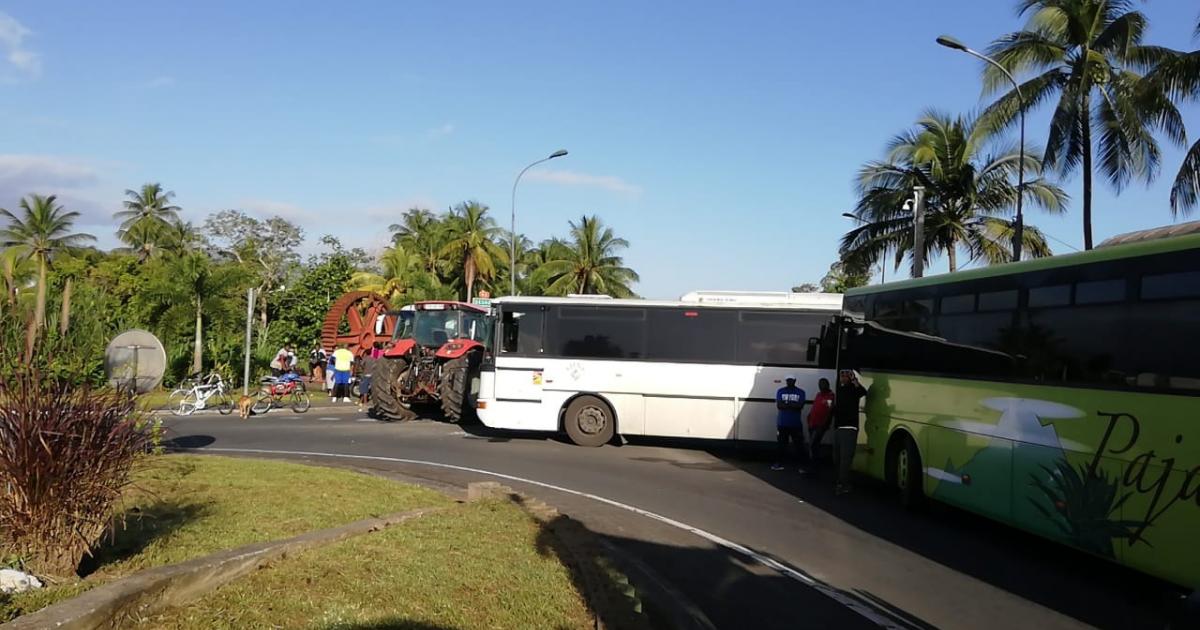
(367, 368)
(343, 362)
(789, 422)
(818, 421)
(845, 419)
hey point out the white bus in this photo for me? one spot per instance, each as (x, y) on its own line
(707, 366)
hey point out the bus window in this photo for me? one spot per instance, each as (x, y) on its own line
(522, 332)
(998, 301)
(592, 332)
(1043, 297)
(776, 337)
(1100, 292)
(958, 304)
(1171, 285)
(706, 335)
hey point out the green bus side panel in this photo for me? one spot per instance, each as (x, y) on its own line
(1114, 473)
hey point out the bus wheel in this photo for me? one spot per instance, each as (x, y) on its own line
(589, 421)
(905, 472)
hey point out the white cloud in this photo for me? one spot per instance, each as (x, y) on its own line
(74, 182)
(610, 183)
(12, 43)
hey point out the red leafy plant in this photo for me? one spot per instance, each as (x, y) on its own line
(66, 453)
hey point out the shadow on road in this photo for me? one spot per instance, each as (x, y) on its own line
(184, 442)
(1078, 585)
(764, 598)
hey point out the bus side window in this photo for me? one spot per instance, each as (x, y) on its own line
(522, 332)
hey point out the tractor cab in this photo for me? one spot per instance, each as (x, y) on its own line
(434, 357)
(449, 329)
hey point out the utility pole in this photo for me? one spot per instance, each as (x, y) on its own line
(249, 333)
(918, 202)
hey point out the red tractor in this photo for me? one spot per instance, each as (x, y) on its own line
(434, 357)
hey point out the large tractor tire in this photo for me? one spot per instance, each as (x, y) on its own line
(385, 383)
(455, 388)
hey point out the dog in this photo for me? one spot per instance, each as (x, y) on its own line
(244, 404)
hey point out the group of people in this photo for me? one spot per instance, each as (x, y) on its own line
(335, 368)
(830, 409)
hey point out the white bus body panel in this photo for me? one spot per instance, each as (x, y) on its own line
(727, 402)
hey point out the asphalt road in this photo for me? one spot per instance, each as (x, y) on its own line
(752, 548)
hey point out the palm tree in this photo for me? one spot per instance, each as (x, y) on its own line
(190, 286)
(472, 240)
(148, 209)
(415, 224)
(1088, 53)
(68, 269)
(17, 271)
(588, 263)
(969, 196)
(41, 233)
(181, 237)
(142, 239)
(398, 269)
(1179, 77)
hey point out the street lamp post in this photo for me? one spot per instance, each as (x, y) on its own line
(512, 234)
(1019, 221)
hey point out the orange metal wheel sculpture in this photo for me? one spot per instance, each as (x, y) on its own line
(353, 319)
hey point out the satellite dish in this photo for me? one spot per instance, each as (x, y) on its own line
(135, 360)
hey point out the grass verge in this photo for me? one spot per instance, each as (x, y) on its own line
(481, 565)
(183, 507)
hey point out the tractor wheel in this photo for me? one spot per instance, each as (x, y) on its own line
(455, 389)
(385, 381)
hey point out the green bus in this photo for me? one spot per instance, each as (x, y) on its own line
(1060, 395)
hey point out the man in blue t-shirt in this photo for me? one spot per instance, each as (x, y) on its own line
(789, 423)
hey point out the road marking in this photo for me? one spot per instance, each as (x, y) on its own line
(365, 420)
(327, 418)
(848, 600)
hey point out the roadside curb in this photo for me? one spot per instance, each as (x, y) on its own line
(149, 592)
(621, 591)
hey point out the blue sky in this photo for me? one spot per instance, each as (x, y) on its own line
(720, 140)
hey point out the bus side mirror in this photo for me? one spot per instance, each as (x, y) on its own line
(814, 345)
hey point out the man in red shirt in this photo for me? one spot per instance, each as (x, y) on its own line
(818, 420)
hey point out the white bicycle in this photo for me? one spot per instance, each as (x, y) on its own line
(210, 392)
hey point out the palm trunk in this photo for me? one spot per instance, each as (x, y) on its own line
(262, 295)
(1085, 108)
(64, 321)
(952, 256)
(198, 348)
(39, 312)
(469, 274)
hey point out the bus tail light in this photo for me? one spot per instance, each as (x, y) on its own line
(481, 404)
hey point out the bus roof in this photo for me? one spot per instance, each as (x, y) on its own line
(812, 301)
(1131, 249)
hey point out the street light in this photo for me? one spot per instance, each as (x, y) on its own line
(1019, 221)
(512, 235)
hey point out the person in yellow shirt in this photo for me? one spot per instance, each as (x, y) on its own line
(343, 361)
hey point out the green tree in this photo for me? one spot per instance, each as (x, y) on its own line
(394, 279)
(1089, 54)
(472, 243)
(842, 277)
(147, 215)
(17, 272)
(1178, 76)
(588, 263)
(181, 237)
(192, 287)
(266, 247)
(968, 196)
(41, 233)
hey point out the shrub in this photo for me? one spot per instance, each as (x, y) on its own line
(66, 453)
